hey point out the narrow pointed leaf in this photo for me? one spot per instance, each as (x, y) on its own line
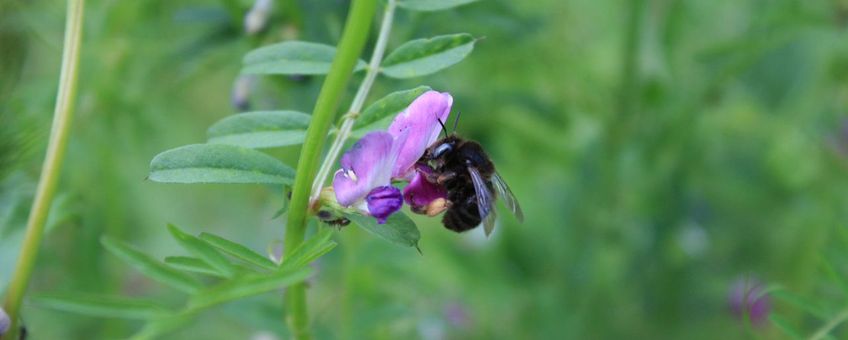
(425, 56)
(260, 129)
(432, 5)
(192, 264)
(398, 229)
(218, 163)
(310, 250)
(248, 285)
(156, 329)
(204, 251)
(238, 251)
(292, 57)
(784, 325)
(388, 107)
(102, 306)
(150, 267)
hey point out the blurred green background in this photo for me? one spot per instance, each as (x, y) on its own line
(661, 150)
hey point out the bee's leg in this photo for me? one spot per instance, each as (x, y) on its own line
(428, 172)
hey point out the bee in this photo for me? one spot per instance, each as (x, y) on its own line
(467, 174)
(334, 221)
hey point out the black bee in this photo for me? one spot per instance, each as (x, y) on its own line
(464, 169)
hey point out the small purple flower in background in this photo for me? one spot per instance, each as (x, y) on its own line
(4, 322)
(748, 302)
(364, 181)
(456, 315)
(240, 97)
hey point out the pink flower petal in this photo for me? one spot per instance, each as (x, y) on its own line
(421, 121)
(364, 167)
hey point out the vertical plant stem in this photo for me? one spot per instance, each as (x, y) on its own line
(350, 47)
(358, 100)
(56, 147)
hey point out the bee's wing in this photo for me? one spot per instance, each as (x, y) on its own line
(508, 197)
(485, 200)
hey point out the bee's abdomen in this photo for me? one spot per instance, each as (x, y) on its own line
(463, 215)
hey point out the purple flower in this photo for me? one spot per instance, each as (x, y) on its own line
(423, 196)
(421, 121)
(748, 301)
(384, 201)
(364, 181)
(4, 322)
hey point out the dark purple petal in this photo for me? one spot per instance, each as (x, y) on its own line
(365, 166)
(4, 321)
(421, 120)
(384, 201)
(425, 197)
(747, 300)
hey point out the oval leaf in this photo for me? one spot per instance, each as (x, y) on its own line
(432, 5)
(388, 106)
(218, 163)
(238, 251)
(398, 229)
(261, 129)
(102, 306)
(150, 267)
(425, 56)
(292, 57)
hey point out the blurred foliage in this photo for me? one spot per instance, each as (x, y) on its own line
(660, 148)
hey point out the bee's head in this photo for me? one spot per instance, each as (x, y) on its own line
(441, 148)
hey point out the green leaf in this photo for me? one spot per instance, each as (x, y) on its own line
(785, 326)
(150, 267)
(310, 250)
(238, 251)
(102, 306)
(398, 229)
(204, 251)
(432, 5)
(425, 56)
(260, 129)
(292, 57)
(248, 285)
(155, 329)
(192, 264)
(388, 106)
(218, 163)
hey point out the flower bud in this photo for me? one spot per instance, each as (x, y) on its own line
(257, 17)
(5, 322)
(384, 201)
(748, 301)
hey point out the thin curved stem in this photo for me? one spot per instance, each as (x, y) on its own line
(358, 100)
(350, 47)
(52, 166)
(830, 325)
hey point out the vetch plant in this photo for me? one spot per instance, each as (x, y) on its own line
(396, 130)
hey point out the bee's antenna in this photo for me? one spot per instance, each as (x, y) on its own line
(456, 120)
(445, 130)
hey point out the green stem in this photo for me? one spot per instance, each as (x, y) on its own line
(350, 47)
(830, 325)
(52, 163)
(358, 100)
